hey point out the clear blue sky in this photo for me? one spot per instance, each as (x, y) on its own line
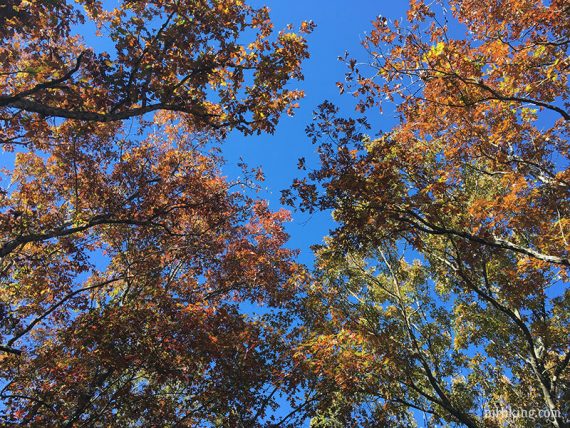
(340, 27)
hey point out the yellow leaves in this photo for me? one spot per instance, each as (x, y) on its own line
(539, 51)
(287, 38)
(436, 50)
(529, 114)
(553, 71)
(22, 4)
(391, 311)
(228, 6)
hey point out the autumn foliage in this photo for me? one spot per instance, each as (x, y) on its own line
(443, 290)
(125, 254)
(141, 287)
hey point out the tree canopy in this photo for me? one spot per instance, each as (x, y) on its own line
(129, 261)
(443, 290)
(125, 253)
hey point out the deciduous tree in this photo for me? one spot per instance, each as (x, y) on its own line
(126, 256)
(473, 184)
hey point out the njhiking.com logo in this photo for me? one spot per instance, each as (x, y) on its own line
(510, 413)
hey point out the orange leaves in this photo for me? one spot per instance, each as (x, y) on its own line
(340, 357)
(498, 51)
(126, 257)
(307, 27)
(418, 11)
(168, 65)
(473, 181)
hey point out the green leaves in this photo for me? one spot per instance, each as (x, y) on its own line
(460, 183)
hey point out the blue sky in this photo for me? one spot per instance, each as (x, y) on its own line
(340, 27)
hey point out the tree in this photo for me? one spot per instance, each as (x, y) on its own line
(125, 255)
(443, 291)
(183, 56)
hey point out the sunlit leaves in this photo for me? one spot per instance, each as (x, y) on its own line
(473, 182)
(126, 257)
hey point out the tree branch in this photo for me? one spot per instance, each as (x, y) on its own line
(7, 100)
(10, 350)
(433, 229)
(56, 305)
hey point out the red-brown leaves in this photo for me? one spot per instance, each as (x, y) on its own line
(125, 255)
(472, 181)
